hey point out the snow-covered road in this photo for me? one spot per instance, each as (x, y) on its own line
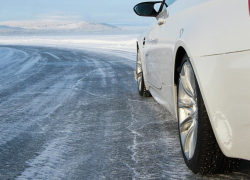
(76, 114)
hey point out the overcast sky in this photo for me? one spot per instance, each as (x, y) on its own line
(117, 12)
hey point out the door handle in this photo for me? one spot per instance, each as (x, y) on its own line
(161, 21)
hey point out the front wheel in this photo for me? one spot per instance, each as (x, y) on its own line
(140, 78)
(200, 149)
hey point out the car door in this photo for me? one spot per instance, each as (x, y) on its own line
(152, 59)
(154, 53)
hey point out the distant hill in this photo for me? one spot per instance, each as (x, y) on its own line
(51, 27)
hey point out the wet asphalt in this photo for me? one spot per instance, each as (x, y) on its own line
(76, 114)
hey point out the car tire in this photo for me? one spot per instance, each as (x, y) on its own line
(200, 149)
(140, 78)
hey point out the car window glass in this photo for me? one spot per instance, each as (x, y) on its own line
(169, 2)
(157, 6)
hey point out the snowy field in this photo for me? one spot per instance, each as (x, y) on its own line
(122, 45)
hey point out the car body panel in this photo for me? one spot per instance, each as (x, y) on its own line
(211, 37)
(224, 82)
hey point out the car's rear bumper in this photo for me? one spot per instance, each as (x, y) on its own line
(224, 81)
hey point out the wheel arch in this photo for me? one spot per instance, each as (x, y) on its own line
(180, 49)
(178, 59)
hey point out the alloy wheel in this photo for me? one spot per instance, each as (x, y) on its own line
(187, 110)
(139, 71)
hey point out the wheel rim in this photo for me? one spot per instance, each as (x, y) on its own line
(188, 110)
(139, 71)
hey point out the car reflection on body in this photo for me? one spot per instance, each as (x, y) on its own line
(195, 60)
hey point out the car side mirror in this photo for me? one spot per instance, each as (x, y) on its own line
(147, 9)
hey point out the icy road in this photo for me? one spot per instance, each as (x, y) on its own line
(76, 114)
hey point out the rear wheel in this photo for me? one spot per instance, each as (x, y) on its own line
(140, 78)
(200, 149)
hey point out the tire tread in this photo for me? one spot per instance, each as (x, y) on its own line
(142, 90)
(146, 92)
(212, 159)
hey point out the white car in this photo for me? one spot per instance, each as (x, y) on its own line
(195, 61)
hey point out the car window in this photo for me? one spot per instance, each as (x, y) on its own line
(169, 2)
